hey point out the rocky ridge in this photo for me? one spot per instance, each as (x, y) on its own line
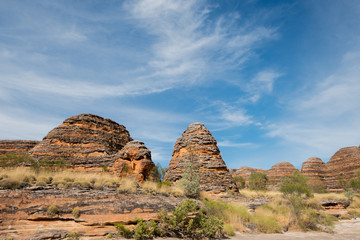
(197, 145)
(17, 146)
(280, 170)
(315, 170)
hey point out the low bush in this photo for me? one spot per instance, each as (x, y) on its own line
(267, 225)
(229, 230)
(76, 213)
(123, 231)
(354, 213)
(258, 181)
(10, 184)
(52, 210)
(355, 203)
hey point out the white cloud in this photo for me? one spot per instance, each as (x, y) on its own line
(326, 116)
(227, 143)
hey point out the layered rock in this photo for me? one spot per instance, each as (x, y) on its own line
(342, 166)
(315, 170)
(280, 170)
(18, 147)
(245, 172)
(85, 140)
(134, 161)
(197, 145)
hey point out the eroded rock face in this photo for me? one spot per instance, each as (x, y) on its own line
(245, 172)
(280, 170)
(342, 165)
(16, 146)
(134, 160)
(199, 145)
(315, 170)
(85, 140)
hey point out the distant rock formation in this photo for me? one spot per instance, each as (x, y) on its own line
(198, 144)
(16, 146)
(280, 170)
(85, 140)
(315, 170)
(134, 160)
(245, 172)
(342, 166)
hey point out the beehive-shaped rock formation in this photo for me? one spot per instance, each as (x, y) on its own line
(133, 161)
(245, 172)
(280, 170)
(342, 166)
(18, 147)
(314, 169)
(85, 140)
(197, 144)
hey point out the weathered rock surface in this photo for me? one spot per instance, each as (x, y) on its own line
(245, 172)
(343, 164)
(23, 212)
(85, 140)
(133, 161)
(280, 170)
(198, 145)
(315, 170)
(16, 146)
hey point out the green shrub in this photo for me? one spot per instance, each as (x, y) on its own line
(76, 213)
(122, 230)
(258, 181)
(157, 173)
(146, 230)
(73, 236)
(240, 182)
(188, 221)
(296, 184)
(52, 211)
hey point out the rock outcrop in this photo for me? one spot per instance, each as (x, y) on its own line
(315, 170)
(18, 147)
(85, 140)
(245, 172)
(197, 145)
(133, 161)
(342, 166)
(280, 170)
(23, 212)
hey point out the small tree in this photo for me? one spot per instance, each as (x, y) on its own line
(258, 181)
(240, 182)
(190, 180)
(355, 182)
(157, 173)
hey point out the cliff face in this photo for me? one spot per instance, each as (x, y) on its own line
(133, 161)
(85, 140)
(280, 170)
(315, 170)
(342, 166)
(198, 145)
(16, 146)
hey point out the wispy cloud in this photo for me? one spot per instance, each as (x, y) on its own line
(326, 116)
(184, 47)
(227, 143)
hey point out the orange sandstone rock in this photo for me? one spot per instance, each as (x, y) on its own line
(85, 140)
(314, 169)
(245, 172)
(199, 145)
(134, 160)
(16, 146)
(280, 170)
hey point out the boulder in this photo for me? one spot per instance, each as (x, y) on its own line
(18, 147)
(342, 166)
(197, 145)
(280, 170)
(133, 161)
(314, 169)
(83, 141)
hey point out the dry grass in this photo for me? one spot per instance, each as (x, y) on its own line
(251, 194)
(277, 210)
(154, 188)
(355, 203)
(330, 196)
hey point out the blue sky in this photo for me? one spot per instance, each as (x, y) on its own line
(272, 80)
